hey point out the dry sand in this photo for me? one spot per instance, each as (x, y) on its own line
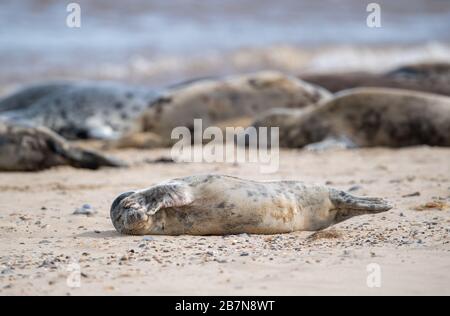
(40, 237)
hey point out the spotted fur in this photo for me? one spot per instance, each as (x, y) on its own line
(219, 205)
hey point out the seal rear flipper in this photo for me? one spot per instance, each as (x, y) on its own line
(81, 158)
(362, 205)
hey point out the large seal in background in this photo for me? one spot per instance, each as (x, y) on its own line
(428, 77)
(219, 205)
(26, 148)
(78, 110)
(25, 97)
(228, 102)
(367, 117)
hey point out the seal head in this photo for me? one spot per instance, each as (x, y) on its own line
(128, 215)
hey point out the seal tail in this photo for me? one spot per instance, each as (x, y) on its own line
(344, 201)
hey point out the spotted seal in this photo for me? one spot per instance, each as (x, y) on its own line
(79, 110)
(219, 102)
(219, 205)
(367, 117)
(27, 148)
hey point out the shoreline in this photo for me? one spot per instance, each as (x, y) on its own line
(162, 71)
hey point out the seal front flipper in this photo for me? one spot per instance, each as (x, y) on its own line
(166, 195)
(89, 159)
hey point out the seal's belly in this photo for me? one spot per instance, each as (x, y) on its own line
(263, 217)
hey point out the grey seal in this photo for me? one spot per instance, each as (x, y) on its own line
(219, 205)
(28, 148)
(27, 96)
(225, 102)
(366, 117)
(425, 77)
(79, 110)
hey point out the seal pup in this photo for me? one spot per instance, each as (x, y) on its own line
(221, 100)
(366, 117)
(427, 77)
(220, 205)
(27, 148)
(79, 110)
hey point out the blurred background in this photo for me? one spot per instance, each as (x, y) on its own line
(158, 42)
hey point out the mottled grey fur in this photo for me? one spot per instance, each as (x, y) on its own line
(27, 148)
(367, 117)
(24, 98)
(79, 110)
(429, 77)
(223, 102)
(218, 205)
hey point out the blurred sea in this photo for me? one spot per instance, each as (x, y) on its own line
(157, 41)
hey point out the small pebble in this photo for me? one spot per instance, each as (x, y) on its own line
(86, 209)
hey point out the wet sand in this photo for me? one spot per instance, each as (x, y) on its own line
(40, 237)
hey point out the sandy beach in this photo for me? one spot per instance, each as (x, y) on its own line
(41, 239)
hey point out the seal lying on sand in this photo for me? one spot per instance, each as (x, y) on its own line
(367, 117)
(24, 148)
(219, 205)
(80, 110)
(433, 78)
(218, 101)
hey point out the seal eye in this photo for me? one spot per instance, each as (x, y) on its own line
(120, 198)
